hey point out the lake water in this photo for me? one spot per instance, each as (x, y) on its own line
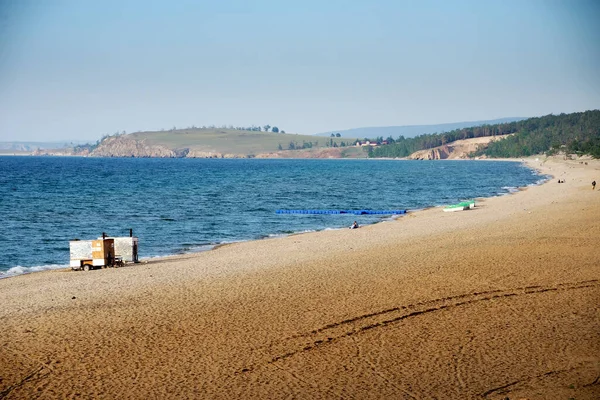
(179, 206)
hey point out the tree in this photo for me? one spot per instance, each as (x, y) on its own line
(267, 127)
(338, 135)
(333, 135)
(576, 131)
(275, 129)
(279, 147)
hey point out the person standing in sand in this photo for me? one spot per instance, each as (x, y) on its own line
(593, 185)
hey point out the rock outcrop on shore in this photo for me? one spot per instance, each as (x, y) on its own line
(124, 146)
(459, 149)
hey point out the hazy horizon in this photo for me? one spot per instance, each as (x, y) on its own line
(77, 141)
(74, 70)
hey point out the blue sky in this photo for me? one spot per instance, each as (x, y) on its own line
(80, 69)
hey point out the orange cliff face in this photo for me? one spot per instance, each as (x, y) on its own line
(459, 149)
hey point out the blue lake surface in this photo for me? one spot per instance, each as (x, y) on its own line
(179, 206)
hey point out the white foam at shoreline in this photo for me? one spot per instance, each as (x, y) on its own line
(19, 270)
(510, 189)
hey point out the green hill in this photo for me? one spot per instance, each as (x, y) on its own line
(206, 142)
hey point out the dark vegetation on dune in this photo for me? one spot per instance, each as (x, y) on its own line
(577, 133)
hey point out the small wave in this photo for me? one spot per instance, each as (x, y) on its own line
(305, 231)
(288, 233)
(19, 270)
(61, 248)
(510, 189)
(543, 179)
(390, 218)
(196, 248)
(275, 235)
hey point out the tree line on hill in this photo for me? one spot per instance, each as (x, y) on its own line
(576, 133)
(253, 128)
(266, 128)
(294, 145)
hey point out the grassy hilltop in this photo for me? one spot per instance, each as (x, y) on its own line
(208, 142)
(231, 140)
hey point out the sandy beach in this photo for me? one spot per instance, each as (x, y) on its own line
(502, 301)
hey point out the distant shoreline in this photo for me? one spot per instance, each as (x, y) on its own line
(263, 158)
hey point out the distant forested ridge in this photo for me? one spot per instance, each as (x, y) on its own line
(409, 131)
(577, 132)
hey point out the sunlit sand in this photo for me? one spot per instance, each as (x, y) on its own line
(499, 301)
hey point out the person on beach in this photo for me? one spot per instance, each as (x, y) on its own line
(593, 185)
(354, 225)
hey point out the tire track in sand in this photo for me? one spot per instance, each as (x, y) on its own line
(507, 388)
(336, 331)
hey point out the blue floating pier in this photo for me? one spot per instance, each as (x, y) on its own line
(352, 212)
